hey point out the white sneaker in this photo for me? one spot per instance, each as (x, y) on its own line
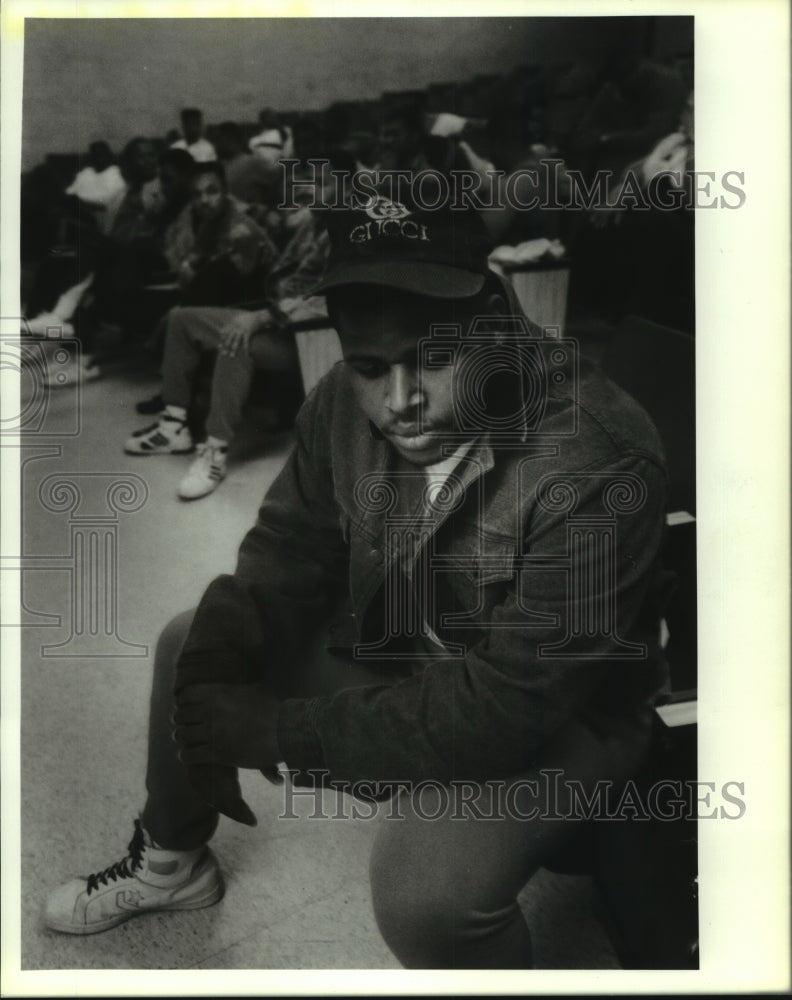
(205, 474)
(169, 436)
(146, 879)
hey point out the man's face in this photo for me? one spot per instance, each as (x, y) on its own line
(209, 196)
(192, 126)
(145, 161)
(394, 141)
(380, 335)
(175, 184)
(397, 143)
(99, 157)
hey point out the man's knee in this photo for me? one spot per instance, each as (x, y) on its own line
(413, 908)
(176, 321)
(427, 907)
(183, 321)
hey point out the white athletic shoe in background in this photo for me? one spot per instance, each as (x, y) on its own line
(206, 473)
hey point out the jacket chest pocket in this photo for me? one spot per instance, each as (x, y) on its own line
(477, 568)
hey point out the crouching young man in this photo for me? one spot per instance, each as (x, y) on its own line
(450, 594)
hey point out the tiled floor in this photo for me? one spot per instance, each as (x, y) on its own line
(297, 892)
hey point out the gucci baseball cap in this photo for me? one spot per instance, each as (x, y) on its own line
(438, 252)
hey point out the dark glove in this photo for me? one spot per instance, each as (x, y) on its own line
(226, 648)
(221, 727)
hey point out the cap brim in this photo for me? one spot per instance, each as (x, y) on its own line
(439, 281)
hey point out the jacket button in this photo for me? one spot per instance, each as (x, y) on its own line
(376, 554)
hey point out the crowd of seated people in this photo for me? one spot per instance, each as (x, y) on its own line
(94, 277)
(247, 334)
(183, 244)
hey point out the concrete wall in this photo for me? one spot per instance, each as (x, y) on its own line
(112, 79)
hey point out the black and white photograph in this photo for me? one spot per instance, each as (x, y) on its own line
(395, 554)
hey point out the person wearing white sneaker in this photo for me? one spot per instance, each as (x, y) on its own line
(170, 435)
(148, 878)
(379, 633)
(207, 471)
(244, 341)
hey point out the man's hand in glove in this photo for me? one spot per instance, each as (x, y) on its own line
(220, 727)
(229, 724)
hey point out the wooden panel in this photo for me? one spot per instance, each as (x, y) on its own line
(318, 351)
(543, 294)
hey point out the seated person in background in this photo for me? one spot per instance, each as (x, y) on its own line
(199, 148)
(401, 141)
(166, 194)
(136, 213)
(246, 339)
(637, 255)
(638, 101)
(204, 244)
(668, 165)
(100, 179)
(62, 278)
(142, 217)
(198, 248)
(274, 141)
(249, 178)
(133, 252)
(362, 147)
(517, 147)
(422, 670)
(109, 266)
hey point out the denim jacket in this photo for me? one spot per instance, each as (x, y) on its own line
(536, 566)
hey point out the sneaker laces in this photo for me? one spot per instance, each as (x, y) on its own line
(146, 430)
(209, 459)
(157, 425)
(123, 868)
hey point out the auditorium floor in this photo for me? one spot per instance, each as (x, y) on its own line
(297, 890)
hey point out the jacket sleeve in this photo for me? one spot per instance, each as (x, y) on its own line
(311, 258)
(490, 712)
(179, 239)
(289, 569)
(295, 555)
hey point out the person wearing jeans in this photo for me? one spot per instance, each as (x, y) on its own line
(410, 619)
(243, 341)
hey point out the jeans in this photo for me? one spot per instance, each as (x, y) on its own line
(445, 873)
(193, 331)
